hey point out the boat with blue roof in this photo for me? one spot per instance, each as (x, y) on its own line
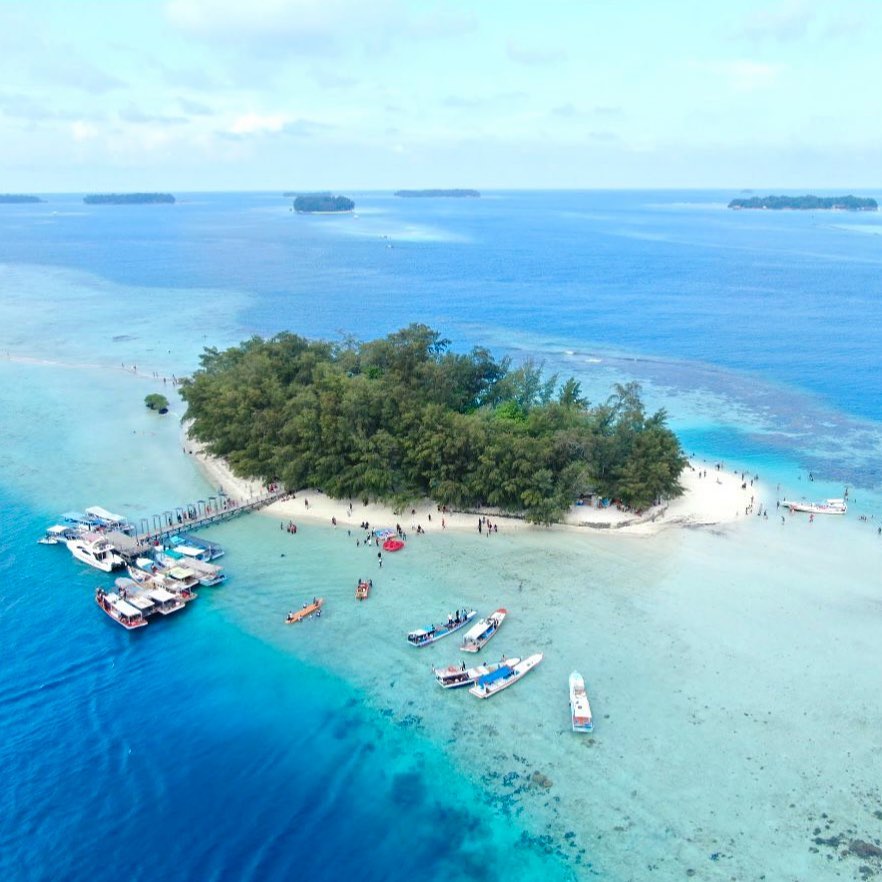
(455, 676)
(504, 676)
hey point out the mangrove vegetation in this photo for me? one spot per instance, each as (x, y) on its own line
(405, 417)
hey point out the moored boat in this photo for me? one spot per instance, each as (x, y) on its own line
(504, 677)
(477, 636)
(432, 633)
(363, 588)
(308, 609)
(831, 506)
(95, 550)
(121, 611)
(580, 709)
(454, 676)
(57, 534)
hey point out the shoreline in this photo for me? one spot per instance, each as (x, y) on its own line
(720, 498)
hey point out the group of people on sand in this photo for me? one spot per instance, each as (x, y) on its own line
(484, 522)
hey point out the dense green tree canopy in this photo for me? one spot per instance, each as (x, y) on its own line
(807, 203)
(404, 417)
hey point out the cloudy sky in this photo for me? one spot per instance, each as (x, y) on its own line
(362, 94)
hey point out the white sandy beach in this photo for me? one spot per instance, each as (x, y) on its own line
(711, 497)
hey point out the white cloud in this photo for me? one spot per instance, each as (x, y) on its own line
(534, 56)
(83, 131)
(783, 22)
(258, 124)
(742, 75)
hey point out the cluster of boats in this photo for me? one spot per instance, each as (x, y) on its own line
(486, 679)
(133, 602)
(161, 580)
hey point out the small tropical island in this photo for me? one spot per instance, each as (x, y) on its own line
(807, 203)
(455, 194)
(322, 203)
(18, 199)
(404, 417)
(129, 199)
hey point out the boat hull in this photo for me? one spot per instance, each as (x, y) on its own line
(419, 639)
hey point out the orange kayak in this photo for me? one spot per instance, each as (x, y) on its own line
(308, 610)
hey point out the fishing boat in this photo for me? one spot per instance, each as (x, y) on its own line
(110, 521)
(454, 676)
(363, 588)
(478, 635)
(207, 574)
(433, 633)
(95, 550)
(831, 506)
(146, 580)
(188, 544)
(309, 609)
(57, 534)
(122, 612)
(504, 676)
(580, 709)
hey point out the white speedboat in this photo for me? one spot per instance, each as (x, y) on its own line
(454, 676)
(432, 633)
(580, 709)
(95, 550)
(477, 636)
(831, 506)
(504, 677)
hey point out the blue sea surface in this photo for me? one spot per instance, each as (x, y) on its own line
(197, 749)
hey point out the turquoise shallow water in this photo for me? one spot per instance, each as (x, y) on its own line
(734, 674)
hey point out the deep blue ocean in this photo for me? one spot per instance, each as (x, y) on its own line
(201, 752)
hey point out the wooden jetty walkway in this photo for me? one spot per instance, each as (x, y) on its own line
(186, 519)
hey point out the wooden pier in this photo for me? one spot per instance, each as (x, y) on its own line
(186, 519)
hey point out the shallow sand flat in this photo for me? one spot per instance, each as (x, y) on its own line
(733, 682)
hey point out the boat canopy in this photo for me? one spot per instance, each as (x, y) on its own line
(188, 550)
(57, 530)
(96, 511)
(180, 573)
(140, 601)
(476, 631)
(126, 609)
(161, 595)
(499, 674)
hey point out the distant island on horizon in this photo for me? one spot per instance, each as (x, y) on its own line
(456, 194)
(807, 203)
(18, 199)
(129, 199)
(322, 203)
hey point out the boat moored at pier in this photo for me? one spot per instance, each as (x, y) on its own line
(121, 611)
(95, 550)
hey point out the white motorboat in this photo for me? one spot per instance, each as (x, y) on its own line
(454, 676)
(95, 550)
(580, 709)
(831, 506)
(504, 677)
(477, 636)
